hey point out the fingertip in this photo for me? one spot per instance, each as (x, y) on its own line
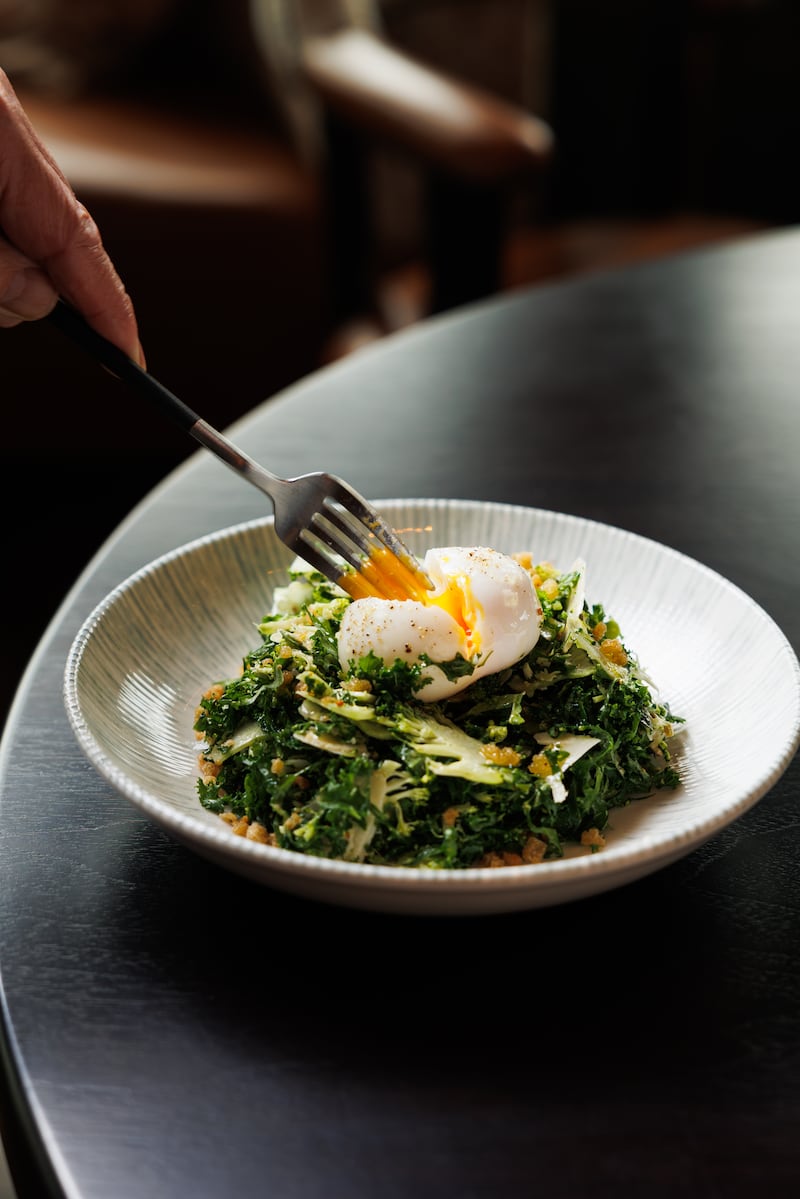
(138, 356)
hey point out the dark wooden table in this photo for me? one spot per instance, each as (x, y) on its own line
(173, 1031)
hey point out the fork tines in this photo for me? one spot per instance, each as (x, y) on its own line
(349, 541)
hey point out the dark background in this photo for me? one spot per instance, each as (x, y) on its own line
(659, 109)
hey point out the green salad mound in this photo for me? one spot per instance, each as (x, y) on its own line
(298, 754)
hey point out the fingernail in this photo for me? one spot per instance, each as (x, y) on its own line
(138, 356)
(28, 295)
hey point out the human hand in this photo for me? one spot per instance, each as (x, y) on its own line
(49, 244)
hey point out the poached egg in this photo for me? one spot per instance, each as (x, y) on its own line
(483, 607)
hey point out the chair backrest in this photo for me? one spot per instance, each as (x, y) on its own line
(279, 30)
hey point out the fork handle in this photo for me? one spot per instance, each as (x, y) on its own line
(77, 329)
(71, 323)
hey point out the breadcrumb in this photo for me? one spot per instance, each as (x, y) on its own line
(533, 851)
(540, 766)
(549, 588)
(592, 838)
(208, 770)
(237, 824)
(501, 755)
(258, 832)
(614, 651)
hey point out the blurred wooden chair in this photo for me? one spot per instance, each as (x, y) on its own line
(224, 148)
(225, 156)
(470, 148)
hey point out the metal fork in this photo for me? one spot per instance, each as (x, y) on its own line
(318, 516)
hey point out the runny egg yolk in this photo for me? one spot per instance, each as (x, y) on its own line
(384, 574)
(459, 602)
(482, 607)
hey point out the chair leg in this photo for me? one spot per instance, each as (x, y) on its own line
(464, 229)
(465, 226)
(351, 237)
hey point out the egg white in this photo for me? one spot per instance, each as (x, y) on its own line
(483, 607)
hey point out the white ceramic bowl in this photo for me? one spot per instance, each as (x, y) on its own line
(142, 659)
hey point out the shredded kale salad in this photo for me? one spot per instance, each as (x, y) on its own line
(297, 753)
